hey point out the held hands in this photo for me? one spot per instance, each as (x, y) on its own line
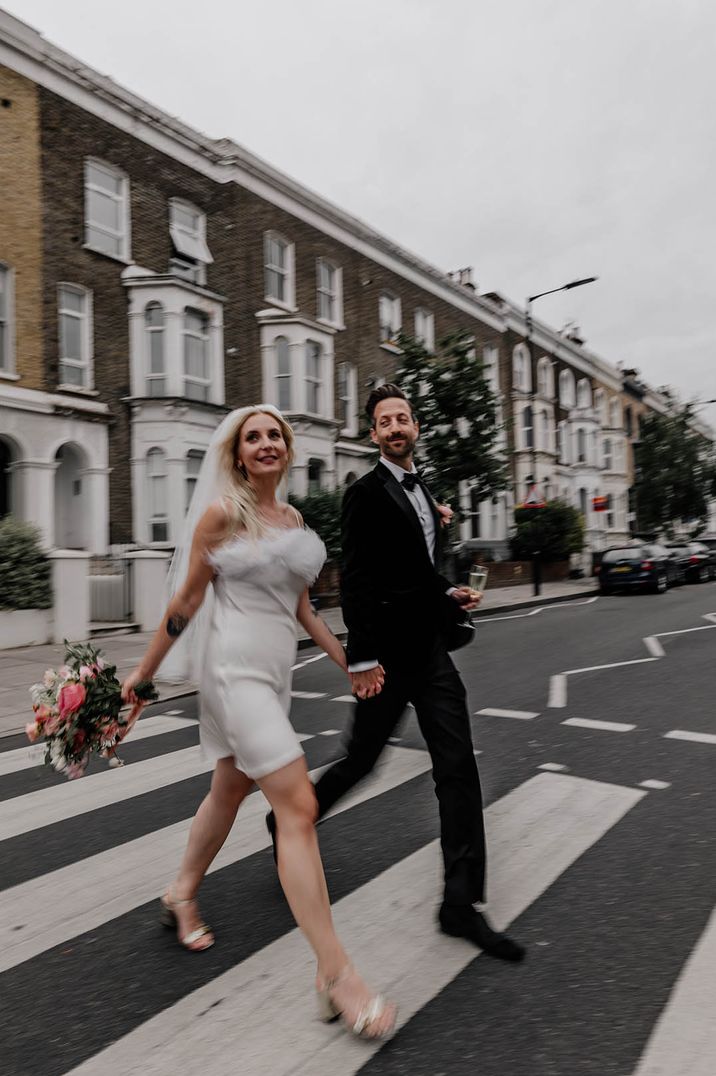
(467, 598)
(128, 695)
(446, 514)
(365, 685)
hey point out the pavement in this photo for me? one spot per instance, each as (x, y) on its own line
(21, 667)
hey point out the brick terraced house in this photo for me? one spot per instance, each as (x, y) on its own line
(152, 278)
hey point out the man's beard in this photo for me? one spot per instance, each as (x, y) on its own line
(400, 450)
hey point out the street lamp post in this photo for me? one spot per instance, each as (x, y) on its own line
(532, 479)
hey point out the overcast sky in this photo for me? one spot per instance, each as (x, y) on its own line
(536, 140)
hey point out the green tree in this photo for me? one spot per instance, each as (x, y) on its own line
(554, 531)
(457, 411)
(674, 472)
(322, 513)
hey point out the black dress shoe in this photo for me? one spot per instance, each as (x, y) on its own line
(271, 827)
(462, 921)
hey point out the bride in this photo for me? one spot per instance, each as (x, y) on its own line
(237, 637)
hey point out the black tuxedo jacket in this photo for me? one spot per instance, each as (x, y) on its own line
(393, 597)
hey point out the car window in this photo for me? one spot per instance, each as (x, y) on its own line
(629, 553)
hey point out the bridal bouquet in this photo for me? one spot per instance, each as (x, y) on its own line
(77, 709)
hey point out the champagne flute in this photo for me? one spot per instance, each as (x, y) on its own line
(478, 577)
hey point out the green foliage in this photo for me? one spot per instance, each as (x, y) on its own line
(24, 568)
(554, 531)
(322, 513)
(675, 472)
(457, 412)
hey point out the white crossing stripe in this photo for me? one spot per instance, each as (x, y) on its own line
(537, 832)
(308, 694)
(60, 802)
(57, 906)
(654, 646)
(344, 698)
(330, 732)
(521, 715)
(605, 726)
(692, 737)
(683, 1042)
(25, 757)
(659, 786)
(553, 767)
(173, 713)
(557, 691)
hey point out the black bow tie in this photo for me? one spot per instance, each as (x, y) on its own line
(410, 481)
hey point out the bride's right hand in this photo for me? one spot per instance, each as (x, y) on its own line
(129, 684)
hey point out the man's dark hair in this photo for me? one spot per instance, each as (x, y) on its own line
(384, 392)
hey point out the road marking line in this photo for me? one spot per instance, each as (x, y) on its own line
(82, 896)
(308, 694)
(512, 616)
(611, 665)
(399, 949)
(343, 698)
(24, 758)
(683, 1042)
(308, 661)
(654, 646)
(330, 732)
(520, 715)
(557, 691)
(692, 737)
(172, 713)
(658, 785)
(687, 631)
(605, 726)
(553, 767)
(394, 739)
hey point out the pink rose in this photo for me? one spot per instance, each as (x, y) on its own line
(41, 713)
(32, 731)
(52, 724)
(64, 671)
(71, 697)
(87, 672)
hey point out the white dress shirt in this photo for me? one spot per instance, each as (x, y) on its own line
(419, 501)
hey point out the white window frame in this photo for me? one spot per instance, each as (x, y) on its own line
(615, 413)
(321, 475)
(161, 519)
(205, 337)
(286, 271)
(150, 331)
(389, 317)
(7, 320)
(287, 376)
(581, 446)
(123, 234)
(425, 328)
(331, 294)
(567, 390)
(607, 454)
(314, 382)
(86, 361)
(545, 378)
(584, 394)
(545, 430)
(347, 393)
(521, 371)
(527, 438)
(190, 244)
(600, 406)
(195, 455)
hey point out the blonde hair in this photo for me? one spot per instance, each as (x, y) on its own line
(238, 495)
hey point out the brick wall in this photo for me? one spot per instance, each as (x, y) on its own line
(21, 218)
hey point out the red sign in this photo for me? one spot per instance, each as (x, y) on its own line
(600, 504)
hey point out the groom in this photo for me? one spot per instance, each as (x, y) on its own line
(398, 609)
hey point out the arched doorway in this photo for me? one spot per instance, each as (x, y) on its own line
(71, 510)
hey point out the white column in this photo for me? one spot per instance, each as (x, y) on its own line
(36, 482)
(149, 573)
(97, 526)
(71, 594)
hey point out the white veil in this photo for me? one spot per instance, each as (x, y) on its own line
(186, 656)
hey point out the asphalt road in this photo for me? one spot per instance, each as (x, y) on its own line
(610, 883)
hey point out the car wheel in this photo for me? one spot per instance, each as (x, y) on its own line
(662, 583)
(704, 574)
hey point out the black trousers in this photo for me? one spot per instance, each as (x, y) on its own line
(435, 689)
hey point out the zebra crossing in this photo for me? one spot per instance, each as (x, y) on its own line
(80, 941)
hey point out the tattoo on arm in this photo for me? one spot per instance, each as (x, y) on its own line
(176, 625)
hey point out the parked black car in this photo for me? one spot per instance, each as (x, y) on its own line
(646, 566)
(699, 561)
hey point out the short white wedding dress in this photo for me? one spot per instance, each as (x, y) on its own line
(245, 681)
